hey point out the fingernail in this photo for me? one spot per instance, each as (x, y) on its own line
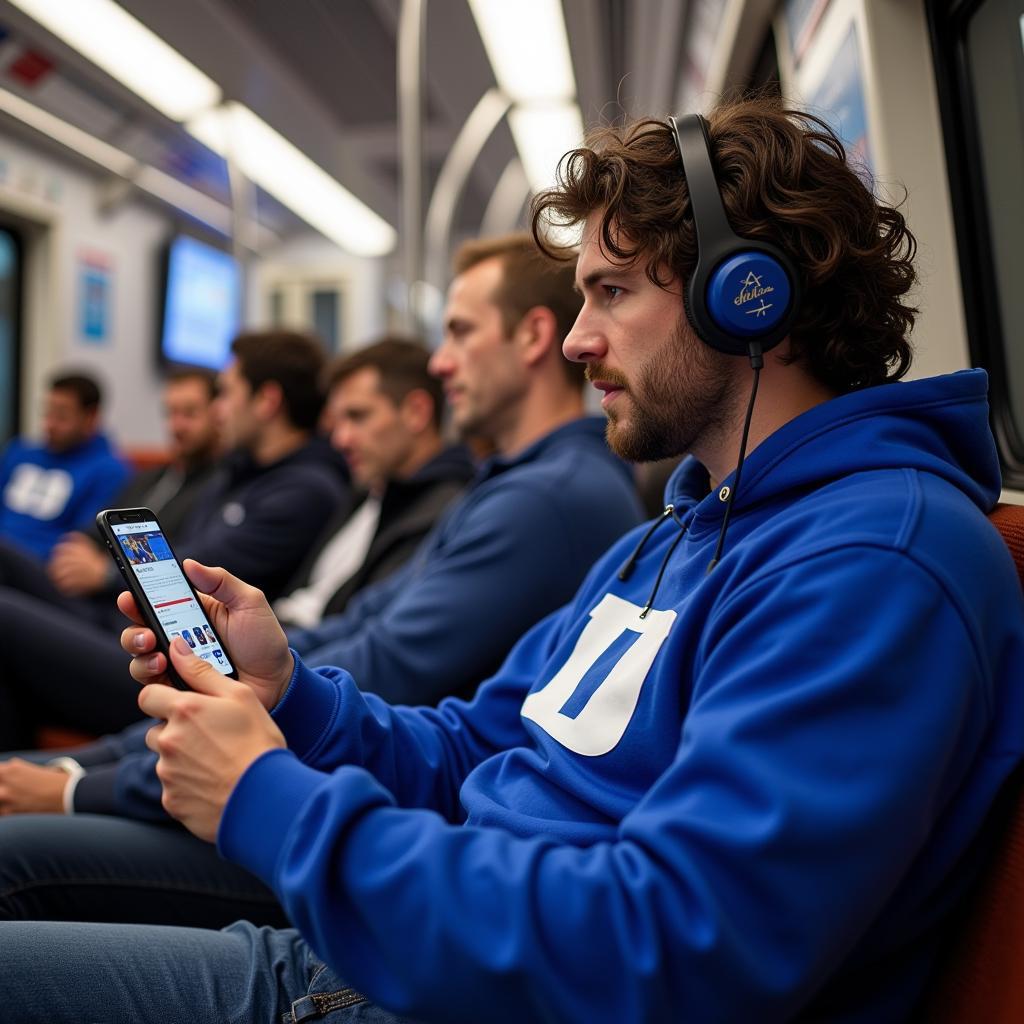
(183, 648)
(139, 641)
(153, 663)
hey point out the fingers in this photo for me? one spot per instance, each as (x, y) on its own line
(136, 640)
(128, 607)
(152, 669)
(220, 584)
(196, 672)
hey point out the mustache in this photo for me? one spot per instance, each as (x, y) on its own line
(597, 371)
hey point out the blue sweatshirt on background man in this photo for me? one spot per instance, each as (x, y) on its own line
(45, 494)
(759, 798)
(511, 550)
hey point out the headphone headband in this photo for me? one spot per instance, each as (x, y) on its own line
(742, 291)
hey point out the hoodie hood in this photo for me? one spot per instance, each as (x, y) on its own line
(938, 425)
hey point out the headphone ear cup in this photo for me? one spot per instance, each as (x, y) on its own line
(749, 295)
(691, 319)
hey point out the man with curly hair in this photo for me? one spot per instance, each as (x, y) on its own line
(742, 776)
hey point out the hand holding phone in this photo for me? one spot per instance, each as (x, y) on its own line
(238, 613)
(167, 602)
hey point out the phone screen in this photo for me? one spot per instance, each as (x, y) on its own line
(168, 591)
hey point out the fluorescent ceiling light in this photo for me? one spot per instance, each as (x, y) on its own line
(106, 156)
(528, 47)
(544, 134)
(147, 179)
(128, 51)
(272, 162)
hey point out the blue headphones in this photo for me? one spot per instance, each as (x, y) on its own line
(742, 291)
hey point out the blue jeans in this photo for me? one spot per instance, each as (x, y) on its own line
(57, 973)
(103, 869)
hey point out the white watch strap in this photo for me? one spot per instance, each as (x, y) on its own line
(74, 772)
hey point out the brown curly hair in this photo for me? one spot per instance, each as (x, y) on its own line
(784, 179)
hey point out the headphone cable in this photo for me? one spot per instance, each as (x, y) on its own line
(756, 364)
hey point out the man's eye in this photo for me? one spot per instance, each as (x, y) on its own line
(612, 291)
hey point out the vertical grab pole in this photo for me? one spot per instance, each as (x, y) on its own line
(411, 45)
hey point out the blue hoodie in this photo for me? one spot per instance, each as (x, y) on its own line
(505, 555)
(760, 799)
(45, 494)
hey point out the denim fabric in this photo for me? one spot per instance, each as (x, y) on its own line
(103, 869)
(58, 973)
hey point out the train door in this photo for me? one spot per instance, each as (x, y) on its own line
(11, 250)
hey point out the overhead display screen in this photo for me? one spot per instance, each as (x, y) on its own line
(202, 304)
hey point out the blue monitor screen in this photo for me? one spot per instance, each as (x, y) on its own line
(202, 304)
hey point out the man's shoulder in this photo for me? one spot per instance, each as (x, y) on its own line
(915, 515)
(20, 449)
(307, 472)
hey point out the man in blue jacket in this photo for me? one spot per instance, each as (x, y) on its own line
(741, 776)
(50, 489)
(541, 509)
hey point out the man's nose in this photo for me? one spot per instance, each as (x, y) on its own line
(584, 343)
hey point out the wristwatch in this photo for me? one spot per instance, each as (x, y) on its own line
(74, 771)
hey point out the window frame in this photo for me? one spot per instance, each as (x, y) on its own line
(947, 25)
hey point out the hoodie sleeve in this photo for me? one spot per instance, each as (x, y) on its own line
(104, 479)
(740, 881)
(120, 777)
(444, 624)
(420, 755)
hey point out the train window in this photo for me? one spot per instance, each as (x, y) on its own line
(325, 315)
(10, 342)
(277, 307)
(979, 60)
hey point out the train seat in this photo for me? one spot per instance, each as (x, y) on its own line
(982, 979)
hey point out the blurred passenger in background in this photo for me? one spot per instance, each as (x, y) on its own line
(512, 550)
(80, 565)
(261, 511)
(385, 412)
(80, 575)
(51, 488)
(278, 486)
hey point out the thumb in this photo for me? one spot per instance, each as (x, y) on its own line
(198, 673)
(220, 584)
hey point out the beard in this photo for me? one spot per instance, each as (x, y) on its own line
(683, 395)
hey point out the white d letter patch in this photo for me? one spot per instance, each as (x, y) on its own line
(596, 725)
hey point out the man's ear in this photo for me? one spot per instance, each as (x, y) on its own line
(536, 335)
(269, 400)
(417, 410)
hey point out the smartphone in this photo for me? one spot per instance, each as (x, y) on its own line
(166, 599)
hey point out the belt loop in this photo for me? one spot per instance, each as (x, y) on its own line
(320, 1003)
(302, 1009)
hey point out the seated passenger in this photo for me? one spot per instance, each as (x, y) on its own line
(741, 776)
(513, 549)
(48, 489)
(386, 411)
(80, 575)
(259, 514)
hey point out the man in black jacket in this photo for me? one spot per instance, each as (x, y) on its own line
(385, 412)
(267, 500)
